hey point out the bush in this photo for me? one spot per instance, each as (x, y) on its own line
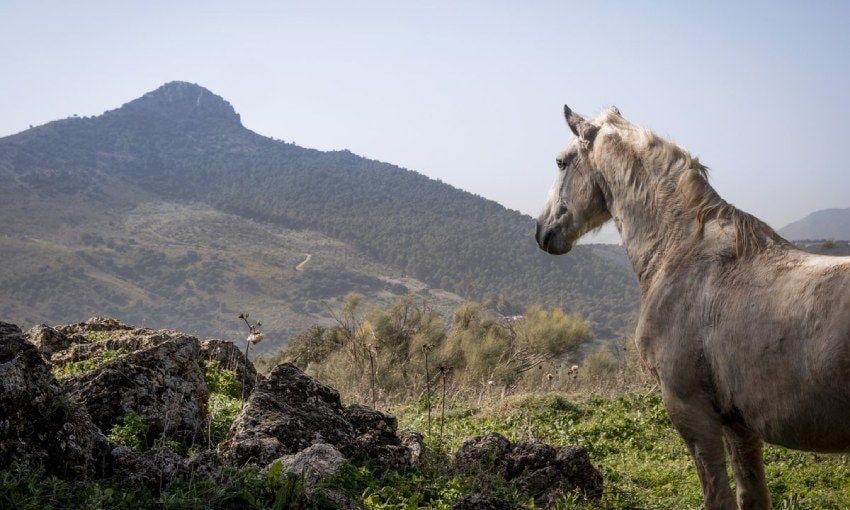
(222, 411)
(600, 365)
(221, 380)
(224, 402)
(132, 432)
(381, 354)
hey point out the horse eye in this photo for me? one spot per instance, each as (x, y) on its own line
(561, 163)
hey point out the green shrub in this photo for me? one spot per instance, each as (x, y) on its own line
(222, 410)
(26, 488)
(224, 402)
(132, 432)
(221, 380)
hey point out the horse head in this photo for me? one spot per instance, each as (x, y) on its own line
(576, 203)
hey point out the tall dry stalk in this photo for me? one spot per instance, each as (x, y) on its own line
(425, 350)
(443, 372)
(372, 377)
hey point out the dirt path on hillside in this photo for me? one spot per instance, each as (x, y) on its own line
(300, 266)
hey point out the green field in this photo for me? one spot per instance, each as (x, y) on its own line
(630, 438)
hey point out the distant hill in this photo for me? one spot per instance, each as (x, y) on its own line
(825, 247)
(168, 207)
(823, 224)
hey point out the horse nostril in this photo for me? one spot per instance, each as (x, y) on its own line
(547, 237)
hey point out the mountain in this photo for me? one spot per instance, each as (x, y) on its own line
(169, 207)
(823, 224)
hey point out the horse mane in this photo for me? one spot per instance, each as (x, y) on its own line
(670, 177)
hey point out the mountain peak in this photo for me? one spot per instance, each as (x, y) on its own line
(182, 100)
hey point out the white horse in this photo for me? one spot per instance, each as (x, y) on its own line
(748, 337)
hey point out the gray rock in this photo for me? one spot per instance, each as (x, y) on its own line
(539, 470)
(482, 453)
(313, 463)
(48, 340)
(154, 469)
(162, 384)
(365, 419)
(575, 465)
(415, 444)
(375, 439)
(39, 425)
(94, 324)
(121, 338)
(290, 411)
(230, 357)
(204, 464)
(285, 414)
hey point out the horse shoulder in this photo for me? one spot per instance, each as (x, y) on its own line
(668, 334)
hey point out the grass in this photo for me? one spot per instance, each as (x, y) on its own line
(25, 489)
(629, 437)
(87, 365)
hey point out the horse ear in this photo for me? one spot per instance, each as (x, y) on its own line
(580, 127)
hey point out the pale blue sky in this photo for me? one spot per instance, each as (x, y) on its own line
(471, 92)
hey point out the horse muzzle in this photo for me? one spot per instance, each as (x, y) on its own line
(552, 240)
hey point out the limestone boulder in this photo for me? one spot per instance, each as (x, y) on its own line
(39, 424)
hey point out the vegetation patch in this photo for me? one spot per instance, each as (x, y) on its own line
(225, 400)
(644, 462)
(407, 350)
(132, 432)
(87, 365)
(26, 489)
(98, 336)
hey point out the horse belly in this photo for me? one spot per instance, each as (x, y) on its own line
(801, 401)
(809, 426)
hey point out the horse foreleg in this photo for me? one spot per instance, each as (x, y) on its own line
(745, 450)
(700, 427)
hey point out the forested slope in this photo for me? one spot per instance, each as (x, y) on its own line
(183, 143)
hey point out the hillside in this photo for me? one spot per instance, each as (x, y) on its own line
(183, 149)
(825, 247)
(824, 224)
(182, 265)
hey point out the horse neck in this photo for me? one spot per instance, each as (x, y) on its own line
(650, 226)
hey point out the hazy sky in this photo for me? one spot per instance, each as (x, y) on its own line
(471, 93)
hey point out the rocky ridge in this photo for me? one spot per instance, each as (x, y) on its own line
(64, 390)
